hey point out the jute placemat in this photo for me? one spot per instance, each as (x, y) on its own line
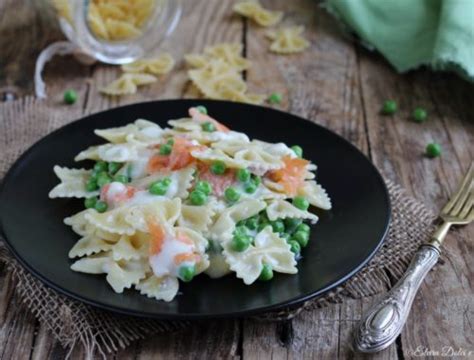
(100, 332)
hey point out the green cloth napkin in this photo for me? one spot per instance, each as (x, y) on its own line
(410, 33)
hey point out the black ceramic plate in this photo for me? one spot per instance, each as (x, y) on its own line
(342, 242)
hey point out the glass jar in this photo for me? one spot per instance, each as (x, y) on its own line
(118, 31)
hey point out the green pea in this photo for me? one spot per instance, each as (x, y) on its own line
(241, 230)
(231, 194)
(433, 150)
(294, 247)
(204, 186)
(304, 228)
(121, 179)
(100, 166)
(202, 109)
(301, 203)
(301, 237)
(252, 223)
(389, 107)
(166, 180)
(291, 224)
(250, 188)
(275, 98)
(208, 127)
(285, 236)
(103, 179)
(278, 226)
(197, 198)
(263, 216)
(70, 97)
(263, 225)
(91, 185)
(419, 115)
(159, 187)
(187, 273)
(298, 150)
(94, 174)
(166, 149)
(218, 167)
(170, 141)
(257, 180)
(114, 167)
(267, 273)
(101, 206)
(89, 203)
(243, 175)
(241, 242)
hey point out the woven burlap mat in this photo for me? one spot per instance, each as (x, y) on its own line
(75, 324)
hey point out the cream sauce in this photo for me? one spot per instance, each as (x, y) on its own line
(163, 262)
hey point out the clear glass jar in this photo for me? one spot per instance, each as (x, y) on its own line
(99, 30)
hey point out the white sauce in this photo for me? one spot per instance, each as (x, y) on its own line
(163, 262)
(280, 149)
(151, 132)
(228, 136)
(173, 188)
(138, 167)
(115, 188)
(118, 153)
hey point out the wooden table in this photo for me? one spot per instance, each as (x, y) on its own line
(335, 83)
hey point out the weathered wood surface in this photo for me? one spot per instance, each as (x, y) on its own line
(335, 83)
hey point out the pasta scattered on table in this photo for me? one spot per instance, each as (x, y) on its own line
(217, 73)
(288, 40)
(252, 9)
(166, 204)
(160, 65)
(127, 84)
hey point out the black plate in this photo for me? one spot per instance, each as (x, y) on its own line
(342, 242)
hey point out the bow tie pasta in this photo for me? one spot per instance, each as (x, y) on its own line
(164, 205)
(288, 40)
(252, 9)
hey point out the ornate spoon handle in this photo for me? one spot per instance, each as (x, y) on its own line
(384, 321)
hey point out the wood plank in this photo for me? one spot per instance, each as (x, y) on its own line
(320, 84)
(319, 334)
(445, 303)
(206, 340)
(323, 85)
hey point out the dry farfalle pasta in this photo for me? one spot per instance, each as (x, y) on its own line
(288, 40)
(254, 10)
(127, 84)
(140, 72)
(160, 65)
(112, 19)
(217, 73)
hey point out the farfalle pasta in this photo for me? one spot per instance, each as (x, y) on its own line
(288, 40)
(112, 20)
(127, 84)
(217, 73)
(252, 9)
(163, 205)
(160, 65)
